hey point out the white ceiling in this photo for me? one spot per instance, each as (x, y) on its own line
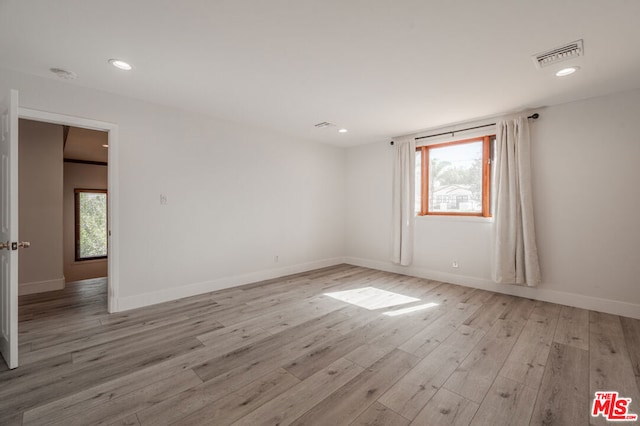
(378, 68)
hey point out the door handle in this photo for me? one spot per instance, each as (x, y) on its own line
(14, 246)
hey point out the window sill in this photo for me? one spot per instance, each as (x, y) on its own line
(89, 261)
(445, 218)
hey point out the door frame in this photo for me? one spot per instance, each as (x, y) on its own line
(113, 195)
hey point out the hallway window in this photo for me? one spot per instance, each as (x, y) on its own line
(91, 224)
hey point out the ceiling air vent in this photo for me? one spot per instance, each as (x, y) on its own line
(559, 54)
(323, 125)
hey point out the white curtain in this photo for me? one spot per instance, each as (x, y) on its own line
(403, 200)
(515, 256)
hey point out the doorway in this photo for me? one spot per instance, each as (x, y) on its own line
(80, 125)
(62, 205)
(11, 113)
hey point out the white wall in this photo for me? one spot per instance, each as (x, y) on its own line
(81, 176)
(40, 206)
(237, 196)
(585, 169)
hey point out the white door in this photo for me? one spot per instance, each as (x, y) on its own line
(9, 229)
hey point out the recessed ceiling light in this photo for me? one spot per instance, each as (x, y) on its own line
(62, 73)
(118, 63)
(567, 71)
(343, 130)
(105, 146)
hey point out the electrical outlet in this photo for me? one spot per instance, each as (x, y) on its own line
(455, 264)
(163, 200)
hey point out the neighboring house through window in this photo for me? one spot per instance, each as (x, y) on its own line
(454, 178)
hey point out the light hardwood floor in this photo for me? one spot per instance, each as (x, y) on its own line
(282, 352)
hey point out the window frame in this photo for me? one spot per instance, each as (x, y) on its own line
(76, 202)
(486, 177)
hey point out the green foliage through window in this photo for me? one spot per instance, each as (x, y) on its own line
(91, 224)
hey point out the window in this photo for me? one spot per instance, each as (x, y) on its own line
(454, 178)
(91, 224)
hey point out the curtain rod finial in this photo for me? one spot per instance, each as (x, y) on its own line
(534, 116)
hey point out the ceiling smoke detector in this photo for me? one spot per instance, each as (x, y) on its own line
(559, 54)
(64, 74)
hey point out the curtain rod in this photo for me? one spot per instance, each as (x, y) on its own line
(453, 132)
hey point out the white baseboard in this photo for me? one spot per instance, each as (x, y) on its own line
(166, 295)
(609, 306)
(40, 286)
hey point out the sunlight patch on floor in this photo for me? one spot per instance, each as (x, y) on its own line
(409, 309)
(371, 298)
